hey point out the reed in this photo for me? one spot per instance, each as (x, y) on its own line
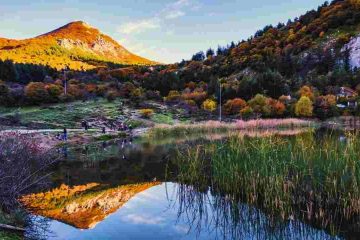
(298, 177)
(217, 127)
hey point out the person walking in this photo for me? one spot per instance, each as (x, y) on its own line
(65, 134)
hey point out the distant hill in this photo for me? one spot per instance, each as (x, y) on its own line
(77, 44)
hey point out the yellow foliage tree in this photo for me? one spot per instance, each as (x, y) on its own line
(209, 105)
(306, 91)
(304, 107)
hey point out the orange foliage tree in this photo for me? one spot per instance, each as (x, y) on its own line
(234, 106)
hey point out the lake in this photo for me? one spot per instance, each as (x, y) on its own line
(278, 184)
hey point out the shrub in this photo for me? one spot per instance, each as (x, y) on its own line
(22, 166)
(234, 106)
(75, 91)
(277, 108)
(36, 93)
(146, 113)
(209, 105)
(246, 112)
(304, 107)
(54, 91)
(111, 96)
(126, 89)
(173, 96)
(306, 91)
(259, 105)
(197, 96)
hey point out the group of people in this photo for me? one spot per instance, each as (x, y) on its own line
(86, 126)
(124, 127)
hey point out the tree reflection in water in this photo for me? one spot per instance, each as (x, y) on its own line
(226, 218)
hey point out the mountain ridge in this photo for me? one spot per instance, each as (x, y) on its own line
(77, 45)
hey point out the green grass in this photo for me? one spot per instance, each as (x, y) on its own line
(67, 115)
(163, 118)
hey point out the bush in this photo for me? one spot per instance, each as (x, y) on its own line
(173, 96)
(111, 96)
(304, 107)
(54, 91)
(146, 113)
(234, 106)
(259, 105)
(209, 105)
(246, 112)
(22, 167)
(36, 93)
(196, 96)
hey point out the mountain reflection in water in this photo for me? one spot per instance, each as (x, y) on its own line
(99, 194)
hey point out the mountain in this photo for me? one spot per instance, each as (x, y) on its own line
(77, 44)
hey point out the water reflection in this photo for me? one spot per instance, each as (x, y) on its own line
(172, 211)
(111, 190)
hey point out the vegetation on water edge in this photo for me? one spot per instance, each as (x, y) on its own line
(303, 178)
(216, 126)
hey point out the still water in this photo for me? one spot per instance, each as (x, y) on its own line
(131, 190)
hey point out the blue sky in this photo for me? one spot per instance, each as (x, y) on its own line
(162, 30)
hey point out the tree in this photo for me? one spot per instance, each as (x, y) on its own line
(210, 53)
(259, 105)
(5, 97)
(209, 105)
(54, 91)
(8, 72)
(234, 106)
(36, 93)
(304, 107)
(198, 57)
(306, 91)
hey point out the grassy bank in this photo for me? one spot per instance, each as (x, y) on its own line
(62, 115)
(288, 178)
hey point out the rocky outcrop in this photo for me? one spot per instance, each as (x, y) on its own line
(354, 48)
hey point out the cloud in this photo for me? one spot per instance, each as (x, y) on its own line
(169, 12)
(139, 26)
(174, 14)
(147, 220)
(180, 3)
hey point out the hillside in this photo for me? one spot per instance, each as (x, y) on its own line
(76, 44)
(319, 48)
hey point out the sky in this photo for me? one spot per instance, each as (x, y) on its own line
(166, 31)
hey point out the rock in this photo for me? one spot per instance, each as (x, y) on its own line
(354, 47)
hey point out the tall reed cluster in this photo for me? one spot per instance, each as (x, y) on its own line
(216, 126)
(300, 177)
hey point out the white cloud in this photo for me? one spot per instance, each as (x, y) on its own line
(174, 14)
(180, 3)
(139, 26)
(169, 12)
(147, 220)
